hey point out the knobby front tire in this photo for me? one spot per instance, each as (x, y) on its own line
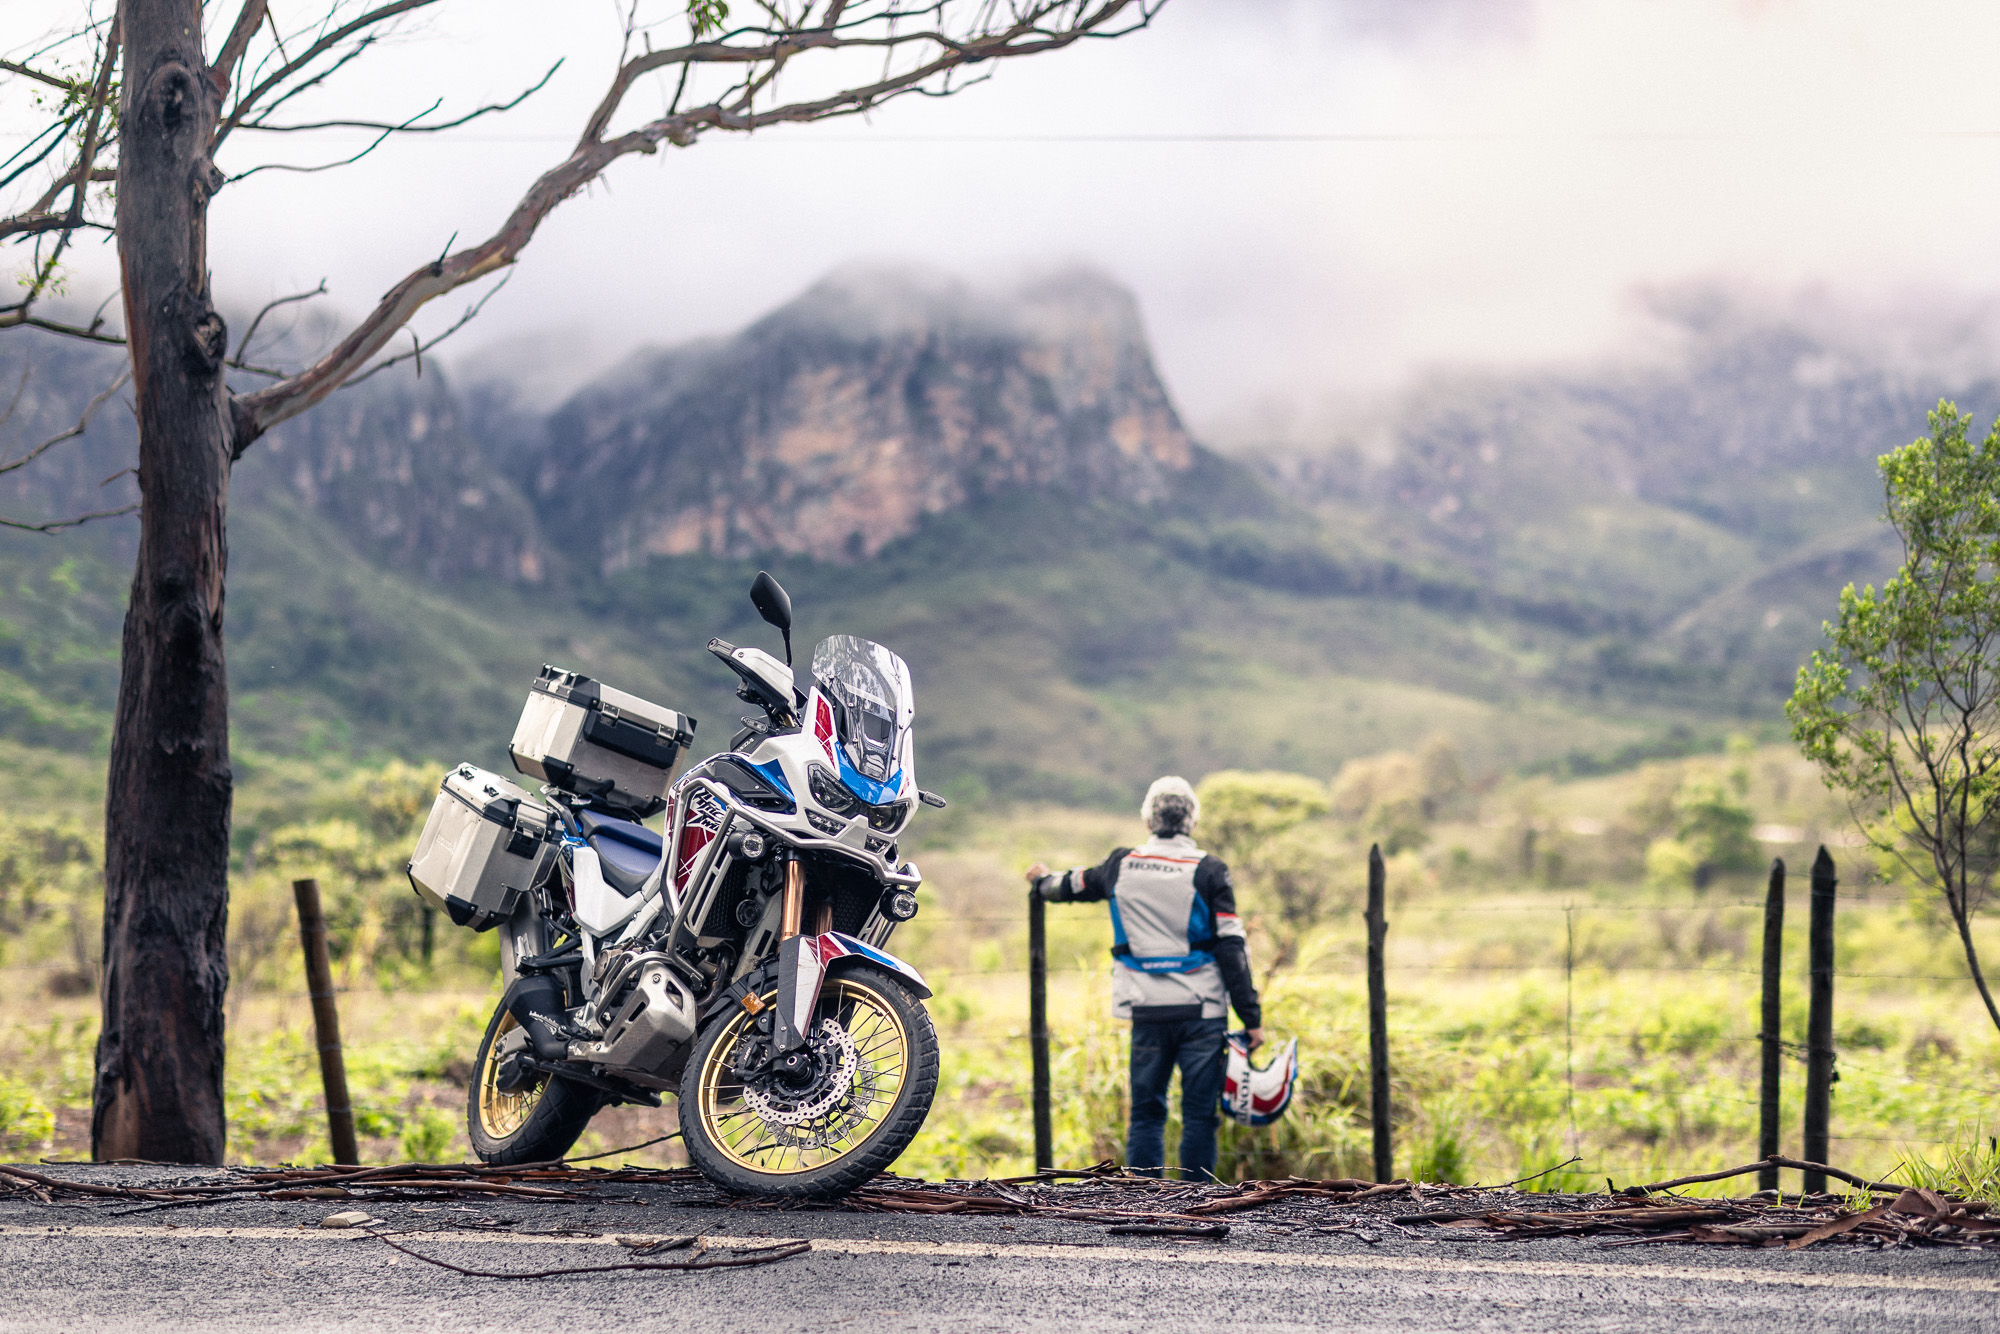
(866, 1128)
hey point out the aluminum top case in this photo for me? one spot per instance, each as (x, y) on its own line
(582, 736)
(482, 847)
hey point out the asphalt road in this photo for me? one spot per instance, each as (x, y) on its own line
(269, 1266)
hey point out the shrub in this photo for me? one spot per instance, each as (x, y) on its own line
(26, 1123)
(1241, 810)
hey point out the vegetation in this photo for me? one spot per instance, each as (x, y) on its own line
(1362, 680)
(1545, 998)
(1903, 711)
(1253, 821)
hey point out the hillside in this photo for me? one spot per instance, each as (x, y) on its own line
(1568, 570)
(1702, 511)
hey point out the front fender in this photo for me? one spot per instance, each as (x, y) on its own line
(804, 964)
(860, 951)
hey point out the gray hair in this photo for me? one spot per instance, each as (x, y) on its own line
(1171, 807)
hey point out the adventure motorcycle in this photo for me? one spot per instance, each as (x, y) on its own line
(739, 960)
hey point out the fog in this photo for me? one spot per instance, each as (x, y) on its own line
(1314, 202)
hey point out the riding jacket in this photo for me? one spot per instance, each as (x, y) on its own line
(1179, 951)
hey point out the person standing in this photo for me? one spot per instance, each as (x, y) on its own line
(1180, 962)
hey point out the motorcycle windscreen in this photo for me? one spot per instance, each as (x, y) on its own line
(870, 690)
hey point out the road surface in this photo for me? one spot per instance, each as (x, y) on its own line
(268, 1266)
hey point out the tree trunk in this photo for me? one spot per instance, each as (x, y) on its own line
(1962, 917)
(166, 845)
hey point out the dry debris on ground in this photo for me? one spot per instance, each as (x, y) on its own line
(1636, 1215)
(1132, 1205)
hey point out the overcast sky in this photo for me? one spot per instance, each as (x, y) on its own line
(1470, 181)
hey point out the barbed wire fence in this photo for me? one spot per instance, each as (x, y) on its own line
(1424, 941)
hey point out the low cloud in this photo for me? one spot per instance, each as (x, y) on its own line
(1448, 183)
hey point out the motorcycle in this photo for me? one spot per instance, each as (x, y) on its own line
(738, 960)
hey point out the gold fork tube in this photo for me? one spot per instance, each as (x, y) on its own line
(792, 912)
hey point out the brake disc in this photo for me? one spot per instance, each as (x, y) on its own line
(776, 1109)
(834, 1127)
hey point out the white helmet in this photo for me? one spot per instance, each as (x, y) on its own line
(1257, 1096)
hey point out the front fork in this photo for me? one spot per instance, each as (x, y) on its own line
(804, 961)
(799, 968)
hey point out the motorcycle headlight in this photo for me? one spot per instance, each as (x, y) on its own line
(888, 819)
(828, 792)
(899, 905)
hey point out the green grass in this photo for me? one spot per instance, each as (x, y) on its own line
(1536, 1011)
(1541, 1006)
(1968, 1165)
(1644, 1072)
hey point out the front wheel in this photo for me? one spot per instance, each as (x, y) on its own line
(822, 1130)
(512, 1120)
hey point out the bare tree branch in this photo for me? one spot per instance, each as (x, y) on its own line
(418, 348)
(374, 17)
(40, 218)
(86, 158)
(1023, 33)
(15, 318)
(408, 127)
(82, 424)
(78, 428)
(319, 77)
(373, 144)
(939, 51)
(57, 525)
(243, 347)
(53, 81)
(248, 20)
(54, 134)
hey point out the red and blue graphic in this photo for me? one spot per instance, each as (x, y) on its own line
(1257, 1096)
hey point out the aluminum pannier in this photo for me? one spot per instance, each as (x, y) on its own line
(482, 847)
(583, 736)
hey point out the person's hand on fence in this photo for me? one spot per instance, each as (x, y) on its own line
(1035, 874)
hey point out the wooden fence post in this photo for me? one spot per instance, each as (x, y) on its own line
(1038, 1027)
(1378, 1021)
(1770, 1031)
(1819, 1021)
(326, 1024)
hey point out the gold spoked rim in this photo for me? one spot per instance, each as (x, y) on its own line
(501, 1114)
(881, 1060)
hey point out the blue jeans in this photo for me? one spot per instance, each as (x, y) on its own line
(1196, 1045)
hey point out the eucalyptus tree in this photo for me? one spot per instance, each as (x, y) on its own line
(1902, 711)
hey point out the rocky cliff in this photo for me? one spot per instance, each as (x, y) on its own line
(828, 428)
(392, 463)
(834, 425)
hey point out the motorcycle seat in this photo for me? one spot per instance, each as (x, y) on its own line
(627, 853)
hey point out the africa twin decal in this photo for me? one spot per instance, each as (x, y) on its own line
(704, 822)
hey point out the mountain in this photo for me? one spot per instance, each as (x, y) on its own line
(833, 426)
(1572, 568)
(393, 465)
(1702, 512)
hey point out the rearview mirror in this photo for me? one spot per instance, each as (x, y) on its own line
(775, 606)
